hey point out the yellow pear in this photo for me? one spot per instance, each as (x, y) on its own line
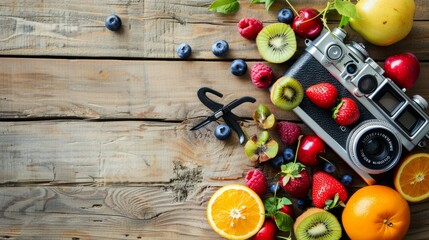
(384, 22)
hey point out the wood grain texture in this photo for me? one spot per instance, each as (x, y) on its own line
(94, 124)
(148, 212)
(153, 29)
(105, 89)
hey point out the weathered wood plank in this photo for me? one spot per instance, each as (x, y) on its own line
(121, 152)
(153, 29)
(99, 153)
(122, 213)
(105, 89)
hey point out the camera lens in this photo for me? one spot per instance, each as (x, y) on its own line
(351, 68)
(334, 52)
(374, 147)
(367, 84)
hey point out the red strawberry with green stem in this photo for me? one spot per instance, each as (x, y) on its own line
(346, 112)
(327, 192)
(294, 178)
(323, 95)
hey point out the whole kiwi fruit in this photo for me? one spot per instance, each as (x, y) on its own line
(287, 93)
(317, 224)
(276, 43)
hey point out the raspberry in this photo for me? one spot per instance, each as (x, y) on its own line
(261, 74)
(249, 28)
(289, 132)
(255, 180)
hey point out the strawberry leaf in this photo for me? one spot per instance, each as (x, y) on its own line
(283, 221)
(332, 203)
(225, 6)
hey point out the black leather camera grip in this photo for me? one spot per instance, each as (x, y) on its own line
(308, 71)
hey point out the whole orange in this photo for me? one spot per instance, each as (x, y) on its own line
(376, 212)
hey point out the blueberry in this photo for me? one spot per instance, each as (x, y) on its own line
(329, 168)
(222, 131)
(184, 50)
(346, 180)
(274, 188)
(113, 23)
(220, 48)
(277, 161)
(301, 203)
(238, 67)
(288, 154)
(285, 15)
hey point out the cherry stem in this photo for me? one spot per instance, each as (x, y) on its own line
(293, 9)
(297, 148)
(325, 159)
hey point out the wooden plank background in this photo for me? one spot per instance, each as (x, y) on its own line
(95, 140)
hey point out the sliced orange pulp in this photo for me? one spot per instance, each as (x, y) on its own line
(235, 212)
(412, 177)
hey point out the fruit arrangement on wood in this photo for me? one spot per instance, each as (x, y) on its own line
(305, 181)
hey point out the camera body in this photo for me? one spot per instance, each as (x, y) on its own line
(390, 123)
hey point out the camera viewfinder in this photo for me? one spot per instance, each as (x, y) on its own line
(410, 120)
(388, 100)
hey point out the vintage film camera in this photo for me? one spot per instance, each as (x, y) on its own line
(390, 123)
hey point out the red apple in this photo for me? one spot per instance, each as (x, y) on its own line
(403, 69)
(310, 147)
(306, 24)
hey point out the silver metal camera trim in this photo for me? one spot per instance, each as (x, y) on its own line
(359, 131)
(317, 49)
(355, 53)
(309, 121)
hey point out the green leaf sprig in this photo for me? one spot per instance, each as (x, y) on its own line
(345, 8)
(232, 6)
(225, 6)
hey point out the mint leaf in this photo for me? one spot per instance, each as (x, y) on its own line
(268, 3)
(225, 6)
(283, 201)
(283, 221)
(270, 205)
(346, 9)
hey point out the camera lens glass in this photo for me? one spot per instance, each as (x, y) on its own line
(351, 68)
(374, 147)
(367, 84)
(334, 52)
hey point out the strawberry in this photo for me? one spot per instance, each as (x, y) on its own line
(288, 132)
(346, 112)
(295, 179)
(323, 95)
(327, 191)
(281, 211)
(256, 180)
(267, 232)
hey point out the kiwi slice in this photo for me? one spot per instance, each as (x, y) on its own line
(316, 223)
(287, 93)
(276, 43)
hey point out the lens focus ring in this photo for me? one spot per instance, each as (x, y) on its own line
(374, 147)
